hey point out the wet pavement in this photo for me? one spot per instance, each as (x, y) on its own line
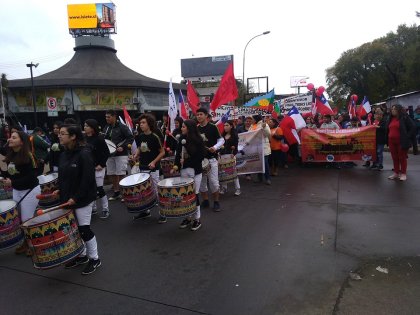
(287, 248)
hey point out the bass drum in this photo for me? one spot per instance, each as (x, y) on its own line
(138, 192)
(54, 238)
(10, 232)
(227, 169)
(177, 197)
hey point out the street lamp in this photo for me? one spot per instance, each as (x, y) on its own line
(243, 62)
(31, 65)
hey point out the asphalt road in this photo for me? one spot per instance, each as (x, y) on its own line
(281, 249)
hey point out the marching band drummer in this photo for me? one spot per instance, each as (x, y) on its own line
(189, 157)
(77, 187)
(116, 166)
(100, 154)
(22, 176)
(230, 147)
(149, 152)
(213, 142)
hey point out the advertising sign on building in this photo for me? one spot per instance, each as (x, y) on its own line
(91, 19)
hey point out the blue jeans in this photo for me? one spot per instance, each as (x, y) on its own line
(380, 154)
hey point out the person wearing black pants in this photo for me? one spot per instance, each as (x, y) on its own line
(77, 188)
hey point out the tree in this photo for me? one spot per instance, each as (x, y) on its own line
(379, 69)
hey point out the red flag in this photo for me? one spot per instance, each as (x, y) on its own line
(227, 91)
(127, 118)
(192, 97)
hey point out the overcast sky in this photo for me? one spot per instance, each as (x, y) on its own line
(153, 36)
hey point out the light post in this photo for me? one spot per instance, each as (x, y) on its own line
(243, 61)
(31, 65)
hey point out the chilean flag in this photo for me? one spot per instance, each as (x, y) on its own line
(182, 108)
(352, 109)
(322, 105)
(365, 108)
(292, 122)
(220, 124)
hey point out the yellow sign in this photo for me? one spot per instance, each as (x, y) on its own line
(82, 16)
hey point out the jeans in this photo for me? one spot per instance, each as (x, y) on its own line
(380, 154)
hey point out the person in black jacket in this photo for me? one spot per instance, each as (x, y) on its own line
(22, 176)
(381, 139)
(55, 149)
(100, 153)
(121, 136)
(230, 148)
(77, 187)
(189, 157)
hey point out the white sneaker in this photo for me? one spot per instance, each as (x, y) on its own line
(394, 176)
(237, 192)
(403, 177)
(222, 190)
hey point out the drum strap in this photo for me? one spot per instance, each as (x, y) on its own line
(27, 193)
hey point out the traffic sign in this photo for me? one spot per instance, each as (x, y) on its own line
(52, 107)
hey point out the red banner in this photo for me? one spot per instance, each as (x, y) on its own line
(328, 145)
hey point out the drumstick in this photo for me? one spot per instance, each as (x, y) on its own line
(45, 196)
(42, 211)
(183, 142)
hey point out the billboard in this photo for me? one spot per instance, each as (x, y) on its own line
(91, 19)
(298, 81)
(205, 67)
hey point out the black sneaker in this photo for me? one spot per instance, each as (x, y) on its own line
(115, 196)
(380, 167)
(374, 166)
(216, 206)
(162, 219)
(196, 225)
(205, 203)
(142, 215)
(91, 266)
(185, 223)
(81, 260)
(367, 164)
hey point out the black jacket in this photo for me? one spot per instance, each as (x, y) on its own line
(194, 155)
(25, 176)
(76, 177)
(120, 135)
(99, 149)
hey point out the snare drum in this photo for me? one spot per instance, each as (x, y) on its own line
(167, 164)
(177, 197)
(54, 238)
(111, 146)
(5, 192)
(10, 231)
(138, 192)
(206, 166)
(48, 184)
(227, 169)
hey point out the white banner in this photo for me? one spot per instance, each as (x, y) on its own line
(302, 102)
(236, 111)
(250, 157)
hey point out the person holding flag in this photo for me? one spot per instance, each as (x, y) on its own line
(213, 142)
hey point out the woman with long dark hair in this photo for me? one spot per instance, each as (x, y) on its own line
(189, 157)
(77, 187)
(22, 176)
(100, 153)
(230, 147)
(400, 130)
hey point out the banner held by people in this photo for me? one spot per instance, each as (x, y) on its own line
(250, 157)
